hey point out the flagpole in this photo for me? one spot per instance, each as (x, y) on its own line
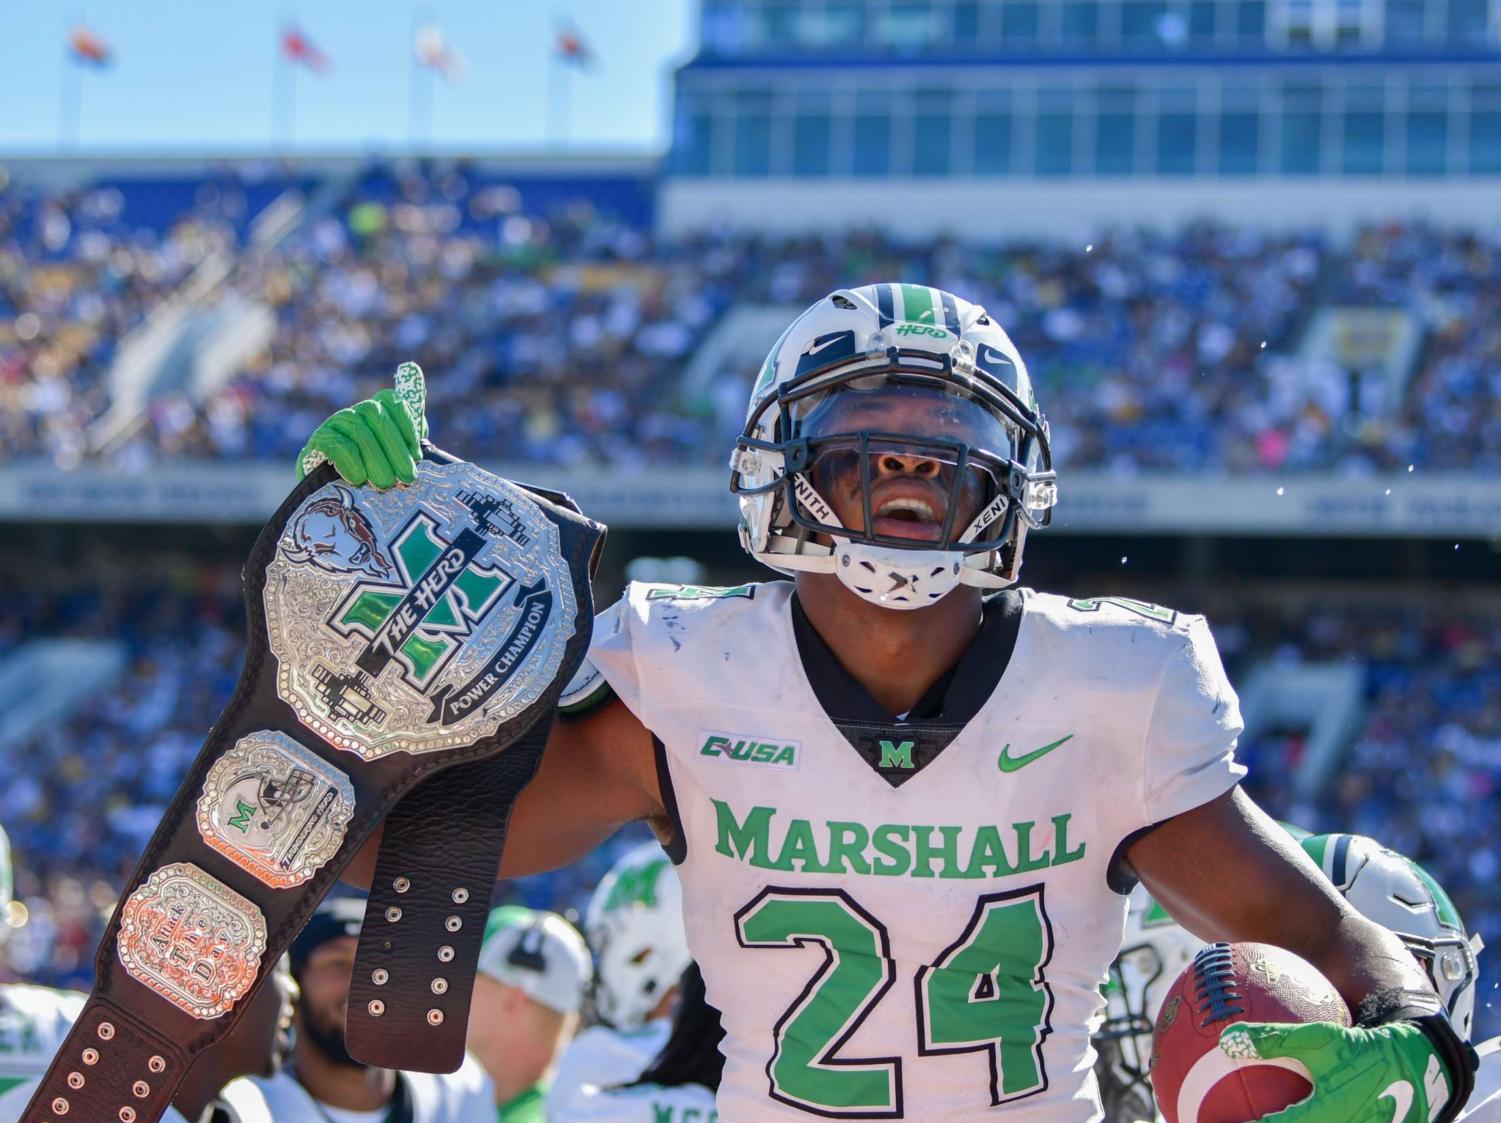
(419, 89)
(283, 94)
(69, 100)
(557, 101)
(70, 97)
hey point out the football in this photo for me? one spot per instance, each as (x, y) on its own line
(1194, 1080)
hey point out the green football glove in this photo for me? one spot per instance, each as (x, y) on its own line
(1387, 1074)
(377, 441)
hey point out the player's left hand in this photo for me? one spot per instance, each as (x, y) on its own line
(1386, 1074)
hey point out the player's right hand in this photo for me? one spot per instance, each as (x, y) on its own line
(377, 442)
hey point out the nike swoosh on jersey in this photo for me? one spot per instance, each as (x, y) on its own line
(1400, 1093)
(1008, 763)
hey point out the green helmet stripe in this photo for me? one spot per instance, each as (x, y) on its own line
(1316, 847)
(918, 305)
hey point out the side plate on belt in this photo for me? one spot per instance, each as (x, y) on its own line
(274, 809)
(420, 618)
(192, 939)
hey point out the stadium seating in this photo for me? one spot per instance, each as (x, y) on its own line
(557, 331)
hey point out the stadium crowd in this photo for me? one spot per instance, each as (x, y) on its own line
(562, 337)
(85, 794)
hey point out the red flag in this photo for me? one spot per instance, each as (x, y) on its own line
(88, 48)
(297, 47)
(572, 49)
(434, 51)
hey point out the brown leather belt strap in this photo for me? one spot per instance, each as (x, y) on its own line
(425, 918)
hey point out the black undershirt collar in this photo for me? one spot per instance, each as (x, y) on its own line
(897, 749)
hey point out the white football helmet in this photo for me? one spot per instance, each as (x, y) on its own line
(635, 926)
(1403, 898)
(982, 457)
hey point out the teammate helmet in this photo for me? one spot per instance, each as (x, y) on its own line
(635, 926)
(985, 447)
(7, 885)
(1403, 897)
(1154, 951)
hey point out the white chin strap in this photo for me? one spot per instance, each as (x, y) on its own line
(892, 576)
(896, 578)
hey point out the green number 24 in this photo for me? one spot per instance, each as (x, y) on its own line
(984, 993)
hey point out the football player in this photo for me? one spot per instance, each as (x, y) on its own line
(678, 1085)
(906, 797)
(634, 924)
(1383, 885)
(532, 973)
(33, 1019)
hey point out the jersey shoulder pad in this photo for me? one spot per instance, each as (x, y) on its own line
(586, 690)
(1116, 610)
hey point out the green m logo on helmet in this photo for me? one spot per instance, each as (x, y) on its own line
(636, 887)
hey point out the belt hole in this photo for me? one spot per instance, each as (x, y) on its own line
(440, 986)
(376, 1007)
(435, 1017)
(453, 924)
(401, 884)
(445, 954)
(379, 976)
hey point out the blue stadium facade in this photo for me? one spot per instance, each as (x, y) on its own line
(1202, 90)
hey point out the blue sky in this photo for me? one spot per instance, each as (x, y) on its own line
(190, 74)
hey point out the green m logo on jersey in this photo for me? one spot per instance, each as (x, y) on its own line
(423, 620)
(896, 755)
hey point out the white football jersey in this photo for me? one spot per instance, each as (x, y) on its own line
(913, 920)
(601, 1057)
(33, 1023)
(642, 1103)
(465, 1096)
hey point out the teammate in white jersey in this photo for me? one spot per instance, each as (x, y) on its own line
(1385, 886)
(215, 1089)
(322, 1082)
(634, 923)
(904, 815)
(677, 1086)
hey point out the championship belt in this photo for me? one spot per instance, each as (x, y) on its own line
(406, 652)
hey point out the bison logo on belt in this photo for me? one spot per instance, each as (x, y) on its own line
(333, 534)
